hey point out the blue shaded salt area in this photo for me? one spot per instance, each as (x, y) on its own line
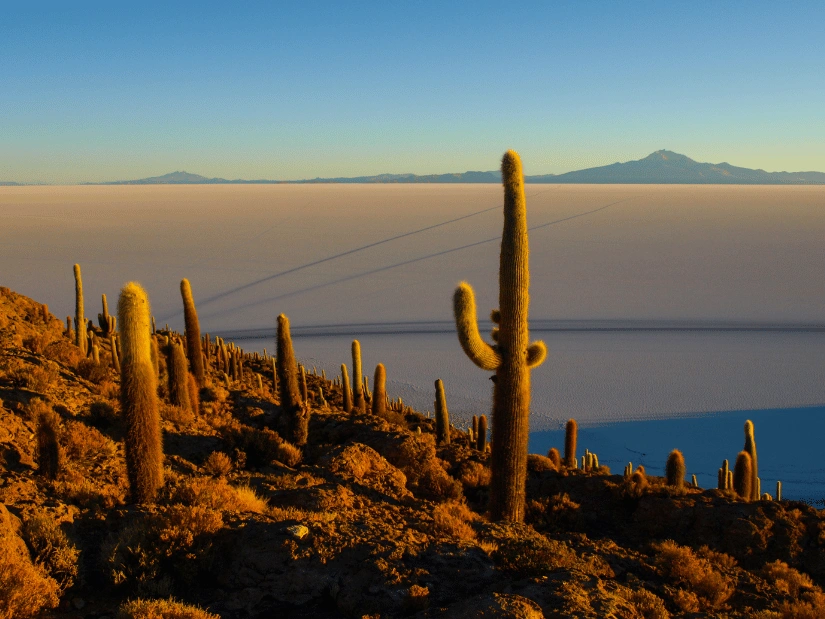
(788, 442)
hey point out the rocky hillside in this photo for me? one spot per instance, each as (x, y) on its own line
(370, 519)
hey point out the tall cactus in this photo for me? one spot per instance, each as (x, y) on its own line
(138, 389)
(178, 374)
(442, 416)
(512, 356)
(743, 475)
(379, 395)
(750, 447)
(571, 436)
(296, 411)
(359, 403)
(347, 392)
(481, 437)
(193, 332)
(79, 319)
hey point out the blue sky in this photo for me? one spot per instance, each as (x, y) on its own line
(94, 91)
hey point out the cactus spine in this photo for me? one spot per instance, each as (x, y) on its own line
(193, 332)
(750, 447)
(743, 475)
(481, 439)
(144, 451)
(379, 396)
(79, 320)
(675, 469)
(513, 356)
(359, 403)
(571, 435)
(346, 389)
(442, 416)
(296, 412)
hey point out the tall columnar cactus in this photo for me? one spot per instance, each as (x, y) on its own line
(359, 403)
(571, 435)
(379, 395)
(178, 374)
(347, 392)
(79, 319)
(193, 332)
(107, 322)
(750, 447)
(481, 439)
(743, 475)
(295, 410)
(442, 415)
(512, 356)
(115, 358)
(303, 383)
(138, 389)
(675, 469)
(475, 426)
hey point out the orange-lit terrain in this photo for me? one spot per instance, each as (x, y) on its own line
(369, 518)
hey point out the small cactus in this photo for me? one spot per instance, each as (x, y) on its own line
(571, 433)
(359, 403)
(675, 469)
(750, 447)
(345, 388)
(442, 416)
(79, 319)
(481, 440)
(193, 332)
(379, 401)
(554, 455)
(743, 475)
(778, 490)
(144, 451)
(693, 481)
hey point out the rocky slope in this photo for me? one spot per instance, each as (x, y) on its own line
(370, 519)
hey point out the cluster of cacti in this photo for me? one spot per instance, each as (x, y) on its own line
(144, 452)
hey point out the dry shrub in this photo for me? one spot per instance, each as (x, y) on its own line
(260, 446)
(533, 555)
(451, 520)
(94, 372)
(217, 464)
(37, 343)
(426, 477)
(553, 512)
(281, 514)
(103, 415)
(217, 494)
(786, 579)
(214, 393)
(648, 605)
(25, 589)
(85, 445)
(146, 552)
(78, 489)
(706, 587)
(32, 377)
(539, 464)
(810, 606)
(179, 416)
(636, 485)
(161, 609)
(287, 453)
(63, 352)
(51, 548)
(435, 483)
(474, 474)
(49, 452)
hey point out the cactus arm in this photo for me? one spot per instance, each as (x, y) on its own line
(479, 351)
(536, 354)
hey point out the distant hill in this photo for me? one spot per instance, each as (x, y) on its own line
(8, 184)
(661, 167)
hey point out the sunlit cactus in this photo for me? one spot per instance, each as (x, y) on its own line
(303, 381)
(178, 376)
(442, 415)
(379, 397)
(138, 388)
(115, 357)
(107, 322)
(512, 356)
(345, 388)
(359, 403)
(193, 332)
(79, 319)
(750, 447)
(555, 456)
(743, 475)
(293, 407)
(675, 469)
(571, 437)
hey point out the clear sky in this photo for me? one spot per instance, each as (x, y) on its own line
(286, 90)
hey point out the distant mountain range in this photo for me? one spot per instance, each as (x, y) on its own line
(661, 167)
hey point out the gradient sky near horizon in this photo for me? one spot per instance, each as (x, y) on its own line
(99, 92)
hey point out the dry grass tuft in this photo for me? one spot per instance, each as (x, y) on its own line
(786, 579)
(706, 586)
(85, 445)
(218, 464)
(474, 475)
(25, 589)
(217, 494)
(161, 609)
(451, 520)
(179, 416)
(51, 548)
(287, 453)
